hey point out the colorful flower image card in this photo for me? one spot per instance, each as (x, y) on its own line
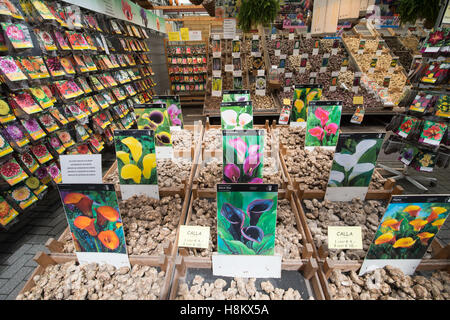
(18, 34)
(80, 63)
(55, 66)
(76, 40)
(12, 172)
(7, 212)
(243, 156)
(442, 106)
(3, 46)
(101, 120)
(81, 103)
(58, 116)
(33, 128)
(41, 97)
(101, 101)
(424, 161)
(406, 126)
(96, 83)
(68, 89)
(93, 106)
(432, 133)
(84, 85)
(28, 161)
(173, 106)
(7, 8)
(66, 62)
(76, 111)
(65, 138)
(23, 196)
(236, 115)
(408, 154)
(6, 114)
(82, 148)
(60, 39)
(421, 102)
(55, 173)
(35, 185)
(81, 132)
(45, 40)
(236, 95)
(303, 95)
(11, 70)
(56, 144)
(34, 67)
(322, 124)
(94, 219)
(42, 175)
(41, 153)
(407, 229)
(25, 102)
(95, 143)
(5, 148)
(15, 132)
(48, 122)
(136, 162)
(89, 63)
(49, 93)
(246, 219)
(42, 10)
(154, 116)
(354, 161)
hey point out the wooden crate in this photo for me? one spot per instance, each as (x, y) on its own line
(307, 251)
(306, 268)
(57, 246)
(44, 260)
(328, 266)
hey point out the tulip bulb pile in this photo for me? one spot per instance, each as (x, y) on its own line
(287, 238)
(321, 214)
(389, 283)
(182, 140)
(70, 281)
(238, 289)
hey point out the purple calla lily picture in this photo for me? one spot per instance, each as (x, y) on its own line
(173, 106)
(243, 155)
(246, 218)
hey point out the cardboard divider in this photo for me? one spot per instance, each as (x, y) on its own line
(44, 260)
(307, 269)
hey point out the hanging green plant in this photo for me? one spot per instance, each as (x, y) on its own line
(411, 10)
(255, 12)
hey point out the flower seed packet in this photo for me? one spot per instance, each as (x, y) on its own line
(42, 10)
(45, 40)
(136, 162)
(58, 116)
(56, 144)
(7, 212)
(442, 106)
(81, 132)
(54, 172)
(54, 66)
(28, 161)
(424, 161)
(33, 128)
(23, 196)
(41, 97)
(243, 156)
(406, 231)
(49, 93)
(3, 46)
(42, 175)
(25, 102)
(15, 133)
(83, 149)
(94, 219)
(41, 153)
(406, 126)
(432, 133)
(6, 114)
(84, 85)
(96, 145)
(7, 8)
(63, 45)
(11, 70)
(246, 219)
(35, 185)
(354, 162)
(65, 138)
(93, 106)
(101, 101)
(5, 148)
(303, 95)
(34, 67)
(408, 154)
(12, 172)
(421, 102)
(236, 115)
(18, 34)
(66, 62)
(68, 89)
(322, 124)
(236, 96)
(154, 117)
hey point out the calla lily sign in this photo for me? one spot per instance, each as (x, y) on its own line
(173, 106)
(353, 165)
(236, 95)
(407, 229)
(236, 115)
(303, 95)
(246, 218)
(155, 117)
(96, 226)
(322, 124)
(243, 156)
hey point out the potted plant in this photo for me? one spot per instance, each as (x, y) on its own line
(255, 12)
(411, 10)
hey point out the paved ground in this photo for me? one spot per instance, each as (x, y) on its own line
(19, 244)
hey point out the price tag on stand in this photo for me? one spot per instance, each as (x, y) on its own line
(334, 80)
(273, 37)
(194, 237)
(362, 44)
(229, 68)
(380, 47)
(358, 115)
(313, 78)
(393, 64)
(303, 62)
(285, 112)
(325, 60)
(344, 64)
(334, 50)
(296, 52)
(345, 238)
(217, 73)
(386, 81)
(237, 73)
(236, 54)
(255, 37)
(291, 36)
(277, 53)
(315, 51)
(261, 73)
(356, 82)
(373, 64)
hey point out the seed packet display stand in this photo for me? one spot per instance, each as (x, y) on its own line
(405, 174)
(44, 260)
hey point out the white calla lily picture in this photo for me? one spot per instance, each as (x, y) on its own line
(237, 116)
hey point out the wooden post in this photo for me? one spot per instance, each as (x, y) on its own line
(43, 259)
(168, 248)
(307, 251)
(54, 246)
(310, 268)
(323, 251)
(389, 184)
(327, 268)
